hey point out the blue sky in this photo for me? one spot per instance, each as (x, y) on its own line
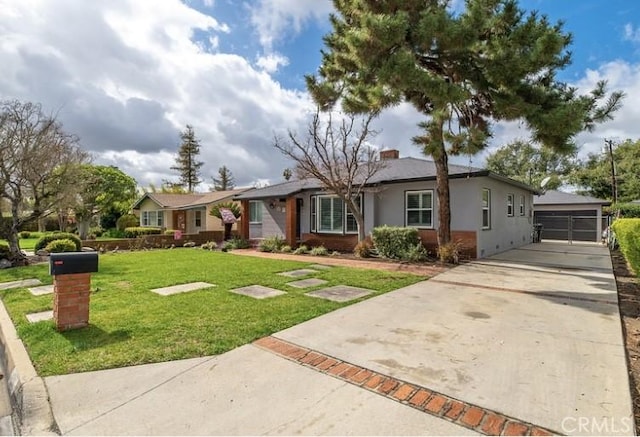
(128, 75)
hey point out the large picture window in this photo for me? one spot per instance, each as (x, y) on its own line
(255, 211)
(486, 208)
(419, 208)
(152, 218)
(331, 215)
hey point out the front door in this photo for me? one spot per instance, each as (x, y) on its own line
(180, 221)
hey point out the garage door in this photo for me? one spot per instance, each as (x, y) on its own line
(568, 225)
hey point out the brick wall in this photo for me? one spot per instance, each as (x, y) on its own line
(71, 297)
(467, 239)
(342, 243)
(156, 241)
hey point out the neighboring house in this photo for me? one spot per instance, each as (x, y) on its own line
(489, 213)
(188, 213)
(567, 216)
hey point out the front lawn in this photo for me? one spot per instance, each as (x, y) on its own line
(131, 325)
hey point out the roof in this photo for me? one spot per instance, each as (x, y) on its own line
(191, 200)
(553, 197)
(394, 171)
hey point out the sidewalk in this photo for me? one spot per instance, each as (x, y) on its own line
(528, 341)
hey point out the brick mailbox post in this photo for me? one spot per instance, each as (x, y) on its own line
(72, 288)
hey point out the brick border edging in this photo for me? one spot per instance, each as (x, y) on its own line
(461, 413)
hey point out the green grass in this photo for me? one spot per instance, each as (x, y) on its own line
(130, 325)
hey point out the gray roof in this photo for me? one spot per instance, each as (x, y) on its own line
(553, 197)
(188, 200)
(394, 171)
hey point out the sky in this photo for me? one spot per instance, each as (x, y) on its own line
(126, 76)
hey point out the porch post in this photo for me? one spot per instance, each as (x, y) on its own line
(292, 219)
(244, 220)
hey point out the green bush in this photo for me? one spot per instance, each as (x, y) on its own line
(113, 233)
(63, 245)
(4, 251)
(209, 245)
(286, 249)
(301, 250)
(394, 242)
(25, 234)
(169, 232)
(627, 232)
(319, 251)
(626, 210)
(272, 244)
(44, 241)
(127, 221)
(139, 231)
(97, 231)
(416, 254)
(239, 243)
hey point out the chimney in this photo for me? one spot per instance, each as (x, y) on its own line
(389, 154)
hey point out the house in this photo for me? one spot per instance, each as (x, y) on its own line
(489, 213)
(570, 217)
(188, 213)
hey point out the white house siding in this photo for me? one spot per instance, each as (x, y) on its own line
(273, 219)
(149, 205)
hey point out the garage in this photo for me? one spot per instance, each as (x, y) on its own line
(570, 217)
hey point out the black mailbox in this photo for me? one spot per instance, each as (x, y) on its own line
(73, 262)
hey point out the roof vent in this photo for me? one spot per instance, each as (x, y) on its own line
(389, 154)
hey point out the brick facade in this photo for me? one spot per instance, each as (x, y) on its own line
(342, 243)
(467, 239)
(71, 295)
(156, 241)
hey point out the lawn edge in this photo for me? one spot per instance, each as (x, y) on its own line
(31, 410)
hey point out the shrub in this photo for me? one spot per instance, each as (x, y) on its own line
(335, 253)
(44, 241)
(4, 251)
(169, 232)
(272, 244)
(362, 249)
(301, 250)
(139, 231)
(113, 233)
(62, 245)
(25, 234)
(209, 245)
(239, 243)
(97, 231)
(626, 210)
(319, 251)
(227, 246)
(394, 242)
(416, 254)
(286, 249)
(450, 252)
(627, 232)
(127, 221)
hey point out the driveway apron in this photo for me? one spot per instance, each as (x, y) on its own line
(533, 334)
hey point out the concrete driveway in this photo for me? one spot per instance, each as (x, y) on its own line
(528, 341)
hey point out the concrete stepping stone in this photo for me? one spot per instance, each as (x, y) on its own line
(40, 317)
(18, 284)
(306, 283)
(340, 293)
(320, 267)
(42, 290)
(181, 288)
(258, 291)
(298, 273)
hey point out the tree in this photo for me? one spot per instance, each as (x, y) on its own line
(462, 71)
(523, 162)
(225, 180)
(593, 175)
(186, 162)
(287, 174)
(340, 158)
(38, 163)
(216, 211)
(101, 188)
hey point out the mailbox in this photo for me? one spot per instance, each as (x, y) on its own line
(73, 262)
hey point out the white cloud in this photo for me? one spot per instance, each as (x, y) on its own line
(276, 19)
(271, 62)
(631, 33)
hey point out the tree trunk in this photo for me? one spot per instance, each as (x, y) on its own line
(442, 191)
(84, 224)
(41, 224)
(16, 256)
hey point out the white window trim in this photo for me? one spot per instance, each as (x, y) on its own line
(318, 215)
(487, 208)
(314, 215)
(348, 213)
(406, 208)
(511, 205)
(197, 214)
(259, 204)
(522, 207)
(146, 216)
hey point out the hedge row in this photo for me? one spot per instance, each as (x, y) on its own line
(139, 231)
(627, 232)
(626, 210)
(44, 241)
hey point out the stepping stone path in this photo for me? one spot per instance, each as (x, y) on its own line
(18, 284)
(40, 317)
(320, 267)
(182, 288)
(42, 290)
(340, 293)
(298, 273)
(306, 283)
(258, 291)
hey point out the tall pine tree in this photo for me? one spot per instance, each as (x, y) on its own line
(187, 164)
(224, 181)
(460, 70)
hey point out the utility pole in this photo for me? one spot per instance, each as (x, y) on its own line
(614, 185)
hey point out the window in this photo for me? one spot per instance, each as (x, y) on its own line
(486, 208)
(198, 218)
(330, 214)
(510, 205)
(255, 211)
(522, 205)
(152, 218)
(352, 225)
(419, 208)
(314, 216)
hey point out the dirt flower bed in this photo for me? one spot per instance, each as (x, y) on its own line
(629, 296)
